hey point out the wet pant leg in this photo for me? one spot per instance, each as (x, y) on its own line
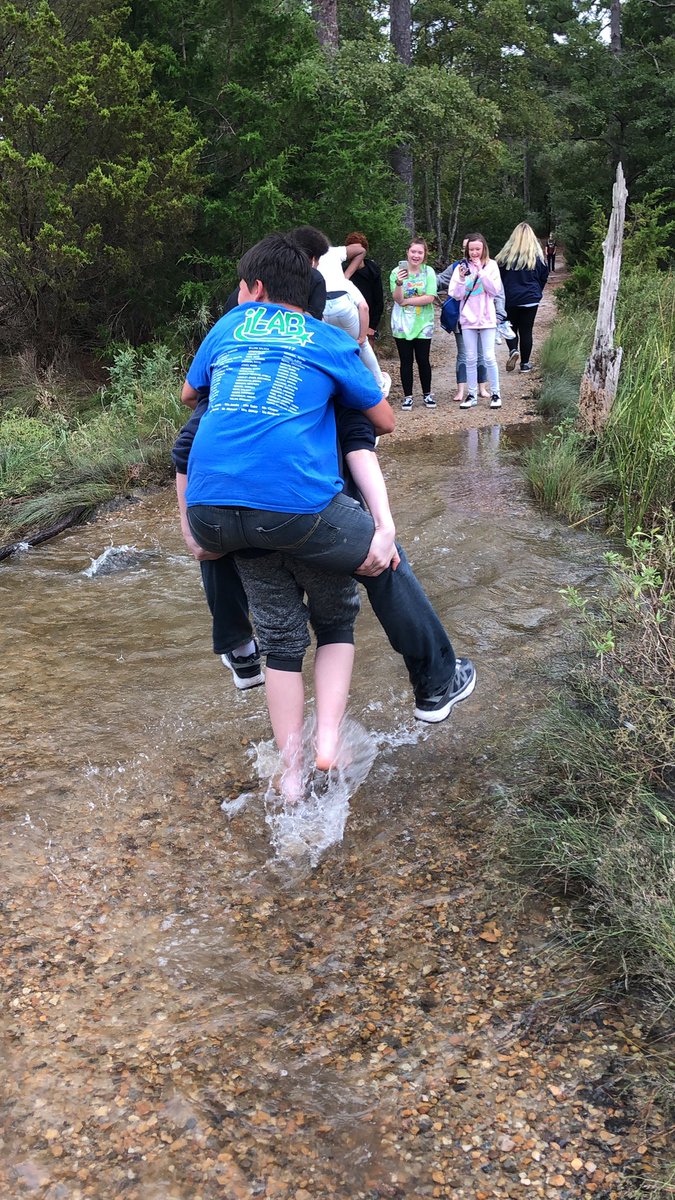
(412, 626)
(227, 603)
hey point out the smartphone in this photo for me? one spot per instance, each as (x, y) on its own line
(403, 265)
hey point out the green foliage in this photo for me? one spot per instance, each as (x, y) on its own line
(639, 441)
(596, 819)
(65, 462)
(566, 475)
(562, 360)
(97, 177)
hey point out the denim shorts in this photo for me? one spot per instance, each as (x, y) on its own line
(336, 539)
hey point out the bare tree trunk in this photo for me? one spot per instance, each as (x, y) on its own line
(400, 21)
(437, 206)
(601, 377)
(615, 28)
(401, 24)
(526, 177)
(426, 198)
(454, 218)
(325, 15)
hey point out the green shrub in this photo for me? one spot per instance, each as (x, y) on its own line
(596, 818)
(562, 359)
(27, 450)
(564, 473)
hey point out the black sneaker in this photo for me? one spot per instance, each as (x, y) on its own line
(246, 670)
(437, 708)
(407, 403)
(429, 400)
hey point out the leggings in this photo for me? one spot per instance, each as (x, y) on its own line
(419, 349)
(486, 338)
(522, 320)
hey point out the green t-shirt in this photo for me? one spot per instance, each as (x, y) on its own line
(414, 321)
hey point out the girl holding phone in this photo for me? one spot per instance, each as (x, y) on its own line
(413, 288)
(475, 283)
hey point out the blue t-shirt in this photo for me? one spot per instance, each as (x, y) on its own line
(267, 439)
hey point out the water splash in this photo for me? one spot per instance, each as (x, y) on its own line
(302, 829)
(117, 558)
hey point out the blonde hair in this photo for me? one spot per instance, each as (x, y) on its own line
(521, 250)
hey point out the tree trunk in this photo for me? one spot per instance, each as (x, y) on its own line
(601, 377)
(454, 219)
(402, 160)
(437, 207)
(401, 23)
(325, 15)
(615, 28)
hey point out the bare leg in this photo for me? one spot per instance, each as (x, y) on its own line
(332, 676)
(286, 703)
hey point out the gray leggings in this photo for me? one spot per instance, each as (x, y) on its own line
(275, 585)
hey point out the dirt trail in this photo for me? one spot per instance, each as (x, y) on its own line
(518, 390)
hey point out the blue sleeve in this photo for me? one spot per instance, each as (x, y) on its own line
(183, 443)
(356, 387)
(199, 375)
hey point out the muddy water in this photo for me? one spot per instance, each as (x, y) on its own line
(190, 1015)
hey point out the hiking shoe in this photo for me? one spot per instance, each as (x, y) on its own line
(470, 402)
(407, 403)
(429, 400)
(495, 401)
(386, 384)
(437, 708)
(512, 360)
(246, 670)
(526, 366)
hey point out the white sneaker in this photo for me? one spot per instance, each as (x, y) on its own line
(495, 401)
(386, 384)
(470, 402)
(429, 400)
(407, 403)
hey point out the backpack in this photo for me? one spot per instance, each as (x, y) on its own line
(450, 314)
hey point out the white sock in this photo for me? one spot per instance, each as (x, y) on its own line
(244, 650)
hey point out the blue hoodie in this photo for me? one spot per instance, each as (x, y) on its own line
(524, 286)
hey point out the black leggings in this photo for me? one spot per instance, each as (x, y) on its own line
(419, 348)
(522, 320)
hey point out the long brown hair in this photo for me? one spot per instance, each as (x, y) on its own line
(478, 237)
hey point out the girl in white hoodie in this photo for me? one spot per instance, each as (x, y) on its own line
(475, 283)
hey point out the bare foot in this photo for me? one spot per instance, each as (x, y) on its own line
(458, 396)
(483, 395)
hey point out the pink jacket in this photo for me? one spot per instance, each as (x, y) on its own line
(478, 310)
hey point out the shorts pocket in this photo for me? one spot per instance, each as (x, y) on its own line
(292, 531)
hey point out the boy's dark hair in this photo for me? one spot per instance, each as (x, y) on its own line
(281, 266)
(314, 243)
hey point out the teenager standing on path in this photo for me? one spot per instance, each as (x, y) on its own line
(551, 248)
(524, 274)
(475, 283)
(413, 288)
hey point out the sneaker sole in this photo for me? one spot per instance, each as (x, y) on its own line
(433, 718)
(243, 685)
(511, 362)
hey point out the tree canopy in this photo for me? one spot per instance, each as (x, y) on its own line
(144, 147)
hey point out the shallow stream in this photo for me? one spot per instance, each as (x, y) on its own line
(199, 1008)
